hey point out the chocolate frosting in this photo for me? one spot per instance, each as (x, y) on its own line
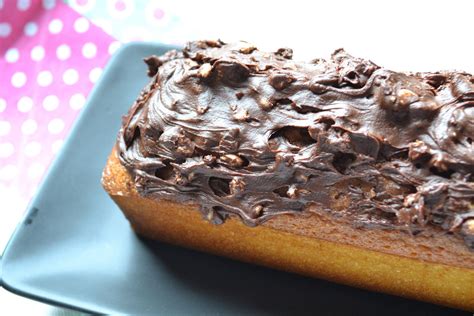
(255, 134)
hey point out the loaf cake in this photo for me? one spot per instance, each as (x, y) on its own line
(337, 169)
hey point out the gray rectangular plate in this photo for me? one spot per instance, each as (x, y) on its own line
(76, 249)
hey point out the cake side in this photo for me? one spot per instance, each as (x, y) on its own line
(444, 249)
(286, 243)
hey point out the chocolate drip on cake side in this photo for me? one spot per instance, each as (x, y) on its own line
(254, 134)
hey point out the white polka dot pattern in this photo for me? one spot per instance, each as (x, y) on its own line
(12, 55)
(5, 29)
(18, 79)
(77, 101)
(22, 5)
(45, 78)
(30, 29)
(25, 104)
(70, 76)
(55, 26)
(49, 4)
(63, 52)
(37, 53)
(50, 102)
(89, 50)
(81, 25)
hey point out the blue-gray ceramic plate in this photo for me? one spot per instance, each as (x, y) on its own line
(75, 248)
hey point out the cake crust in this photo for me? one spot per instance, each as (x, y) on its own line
(434, 270)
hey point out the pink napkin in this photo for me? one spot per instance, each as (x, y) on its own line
(50, 58)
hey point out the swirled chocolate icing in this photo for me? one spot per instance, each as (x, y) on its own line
(255, 134)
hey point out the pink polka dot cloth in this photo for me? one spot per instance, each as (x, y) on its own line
(50, 58)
